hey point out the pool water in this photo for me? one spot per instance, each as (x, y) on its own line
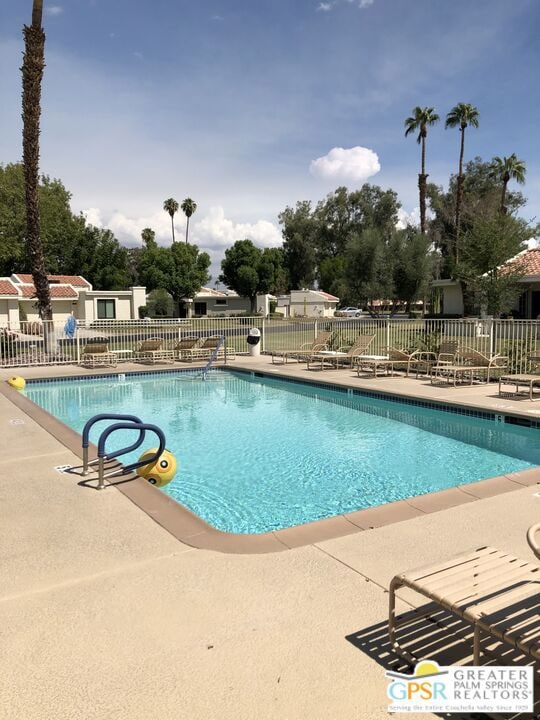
(258, 454)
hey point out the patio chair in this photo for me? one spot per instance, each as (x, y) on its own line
(396, 359)
(97, 354)
(491, 590)
(528, 381)
(151, 351)
(205, 350)
(471, 364)
(342, 356)
(305, 351)
(185, 345)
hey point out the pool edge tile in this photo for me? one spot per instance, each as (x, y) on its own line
(383, 515)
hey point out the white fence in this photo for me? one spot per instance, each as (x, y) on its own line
(36, 343)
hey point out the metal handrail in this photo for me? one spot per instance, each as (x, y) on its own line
(213, 356)
(102, 455)
(106, 416)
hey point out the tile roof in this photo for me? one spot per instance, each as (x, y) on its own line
(75, 280)
(531, 261)
(57, 291)
(328, 296)
(7, 287)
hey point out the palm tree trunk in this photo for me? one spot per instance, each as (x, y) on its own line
(422, 177)
(459, 198)
(172, 227)
(32, 73)
(503, 196)
(187, 229)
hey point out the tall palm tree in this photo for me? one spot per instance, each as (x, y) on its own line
(32, 74)
(461, 115)
(189, 206)
(506, 169)
(420, 120)
(171, 206)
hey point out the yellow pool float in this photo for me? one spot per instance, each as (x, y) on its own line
(17, 382)
(160, 472)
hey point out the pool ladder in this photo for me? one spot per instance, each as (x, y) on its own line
(126, 422)
(213, 356)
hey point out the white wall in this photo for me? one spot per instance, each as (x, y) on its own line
(452, 300)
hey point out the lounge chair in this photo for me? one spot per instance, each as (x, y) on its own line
(184, 346)
(523, 380)
(342, 356)
(305, 351)
(469, 364)
(151, 351)
(97, 354)
(206, 348)
(494, 591)
(396, 359)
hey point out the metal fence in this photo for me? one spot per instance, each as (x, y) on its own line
(36, 343)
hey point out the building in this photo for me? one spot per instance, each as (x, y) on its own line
(528, 304)
(216, 303)
(70, 294)
(307, 303)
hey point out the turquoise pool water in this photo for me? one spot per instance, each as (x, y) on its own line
(261, 454)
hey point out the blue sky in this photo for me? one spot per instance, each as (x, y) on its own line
(231, 101)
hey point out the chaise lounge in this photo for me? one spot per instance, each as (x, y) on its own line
(151, 351)
(470, 365)
(334, 358)
(305, 351)
(497, 593)
(97, 354)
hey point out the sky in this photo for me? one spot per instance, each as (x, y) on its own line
(248, 106)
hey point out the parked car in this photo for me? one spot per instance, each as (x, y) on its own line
(349, 312)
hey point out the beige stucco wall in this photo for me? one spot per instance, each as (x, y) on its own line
(310, 304)
(9, 312)
(127, 303)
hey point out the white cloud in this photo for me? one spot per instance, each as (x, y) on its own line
(325, 6)
(408, 218)
(350, 164)
(213, 232)
(54, 10)
(365, 3)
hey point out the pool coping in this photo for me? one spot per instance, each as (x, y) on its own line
(192, 530)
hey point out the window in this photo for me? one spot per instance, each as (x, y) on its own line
(200, 308)
(221, 301)
(106, 309)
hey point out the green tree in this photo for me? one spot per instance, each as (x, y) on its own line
(299, 230)
(171, 206)
(32, 75)
(155, 264)
(461, 115)
(491, 241)
(251, 271)
(189, 271)
(506, 169)
(420, 120)
(189, 207)
(160, 303)
(413, 265)
(369, 268)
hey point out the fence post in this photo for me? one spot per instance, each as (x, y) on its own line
(263, 333)
(387, 321)
(315, 328)
(77, 339)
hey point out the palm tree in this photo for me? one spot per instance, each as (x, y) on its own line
(462, 115)
(420, 120)
(32, 74)
(171, 206)
(506, 169)
(189, 206)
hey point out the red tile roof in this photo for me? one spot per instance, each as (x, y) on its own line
(327, 295)
(531, 260)
(57, 291)
(7, 288)
(75, 280)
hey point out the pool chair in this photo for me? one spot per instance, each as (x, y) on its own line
(524, 381)
(97, 354)
(151, 351)
(184, 346)
(342, 357)
(205, 350)
(305, 351)
(395, 359)
(469, 365)
(495, 592)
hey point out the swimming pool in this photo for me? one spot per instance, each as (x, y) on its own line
(258, 453)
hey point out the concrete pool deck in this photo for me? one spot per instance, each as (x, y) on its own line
(104, 614)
